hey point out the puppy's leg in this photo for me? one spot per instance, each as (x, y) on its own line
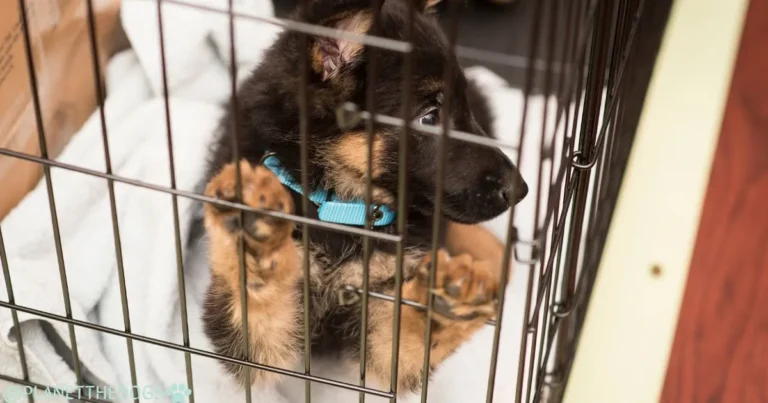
(272, 268)
(474, 240)
(465, 298)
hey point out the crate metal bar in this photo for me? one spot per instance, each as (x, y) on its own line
(568, 199)
(553, 20)
(622, 21)
(175, 206)
(584, 50)
(98, 86)
(453, 32)
(568, 54)
(613, 145)
(556, 382)
(590, 162)
(579, 36)
(406, 302)
(554, 276)
(402, 203)
(304, 150)
(371, 70)
(559, 235)
(550, 281)
(203, 198)
(527, 89)
(608, 153)
(557, 184)
(599, 180)
(589, 128)
(305, 28)
(239, 196)
(571, 179)
(463, 52)
(553, 272)
(558, 319)
(430, 130)
(550, 319)
(579, 46)
(503, 59)
(49, 185)
(14, 315)
(569, 308)
(550, 339)
(559, 299)
(584, 284)
(192, 350)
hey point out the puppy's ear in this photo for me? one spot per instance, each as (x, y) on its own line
(331, 55)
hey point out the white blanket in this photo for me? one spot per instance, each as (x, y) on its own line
(197, 59)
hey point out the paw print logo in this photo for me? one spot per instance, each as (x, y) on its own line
(178, 392)
(13, 394)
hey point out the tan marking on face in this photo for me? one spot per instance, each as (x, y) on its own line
(352, 151)
(347, 162)
(431, 85)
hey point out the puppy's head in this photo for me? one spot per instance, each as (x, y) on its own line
(480, 182)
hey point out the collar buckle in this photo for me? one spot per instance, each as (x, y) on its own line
(376, 215)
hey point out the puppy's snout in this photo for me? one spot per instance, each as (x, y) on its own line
(507, 183)
(516, 191)
(484, 182)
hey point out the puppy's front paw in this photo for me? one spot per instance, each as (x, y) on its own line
(260, 189)
(265, 236)
(465, 289)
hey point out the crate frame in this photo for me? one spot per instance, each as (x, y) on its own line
(589, 90)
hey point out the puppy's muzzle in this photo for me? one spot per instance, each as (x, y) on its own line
(515, 191)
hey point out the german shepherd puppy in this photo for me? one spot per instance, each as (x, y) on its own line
(479, 185)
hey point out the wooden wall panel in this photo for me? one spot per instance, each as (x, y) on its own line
(720, 351)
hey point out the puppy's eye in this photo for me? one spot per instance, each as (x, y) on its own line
(431, 118)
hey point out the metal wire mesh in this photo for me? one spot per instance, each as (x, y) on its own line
(579, 52)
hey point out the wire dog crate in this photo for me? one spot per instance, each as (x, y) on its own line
(581, 53)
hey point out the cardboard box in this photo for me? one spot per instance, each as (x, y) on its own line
(64, 69)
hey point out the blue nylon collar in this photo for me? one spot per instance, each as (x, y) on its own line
(329, 207)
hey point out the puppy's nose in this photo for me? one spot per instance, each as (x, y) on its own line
(516, 192)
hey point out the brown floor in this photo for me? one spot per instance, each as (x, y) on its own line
(720, 352)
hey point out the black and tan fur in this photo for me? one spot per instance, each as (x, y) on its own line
(479, 185)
